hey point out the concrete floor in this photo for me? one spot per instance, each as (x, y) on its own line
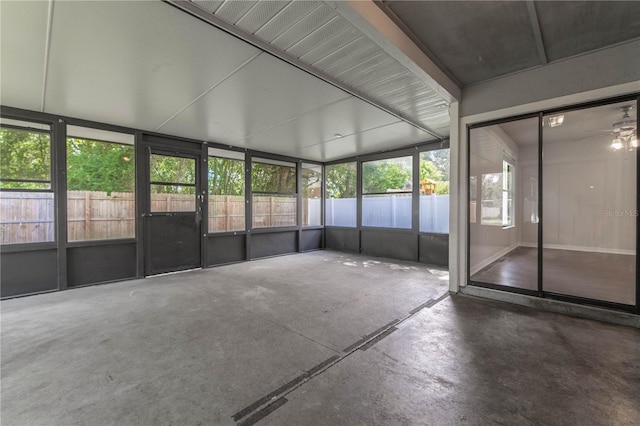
(320, 338)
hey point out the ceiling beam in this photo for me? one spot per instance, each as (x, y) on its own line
(367, 17)
(537, 32)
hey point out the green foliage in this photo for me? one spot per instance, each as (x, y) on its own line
(168, 169)
(110, 167)
(442, 188)
(272, 178)
(434, 167)
(428, 170)
(24, 155)
(341, 180)
(226, 177)
(383, 175)
(172, 189)
(100, 166)
(440, 159)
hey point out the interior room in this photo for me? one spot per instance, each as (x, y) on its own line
(588, 186)
(239, 212)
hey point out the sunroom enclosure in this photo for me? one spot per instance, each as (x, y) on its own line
(92, 203)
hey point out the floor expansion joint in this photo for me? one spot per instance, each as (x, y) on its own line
(276, 399)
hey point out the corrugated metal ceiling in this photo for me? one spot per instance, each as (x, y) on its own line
(315, 34)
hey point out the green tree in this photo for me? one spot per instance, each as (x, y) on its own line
(428, 170)
(24, 156)
(226, 177)
(440, 159)
(381, 176)
(272, 178)
(175, 170)
(341, 180)
(100, 166)
(434, 167)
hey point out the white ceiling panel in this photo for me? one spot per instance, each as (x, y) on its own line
(330, 29)
(134, 63)
(411, 96)
(232, 11)
(259, 14)
(23, 30)
(391, 136)
(347, 117)
(323, 48)
(303, 28)
(364, 68)
(262, 95)
(342, 57)
(293, 12)
(210, 6)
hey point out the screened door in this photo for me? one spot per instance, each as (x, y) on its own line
(173, 217)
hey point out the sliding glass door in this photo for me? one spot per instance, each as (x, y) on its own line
(590, 207)
(553, 204)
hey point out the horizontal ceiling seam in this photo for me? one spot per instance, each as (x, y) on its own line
(47, 49)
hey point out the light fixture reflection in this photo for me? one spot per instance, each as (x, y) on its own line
(616, 144)
(556, 120)
(624, 131)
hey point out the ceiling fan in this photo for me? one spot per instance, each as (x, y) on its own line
(625, 131)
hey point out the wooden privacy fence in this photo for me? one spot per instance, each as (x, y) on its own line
(226, 213)
(28, 217)
(93, 215)
(273, 211)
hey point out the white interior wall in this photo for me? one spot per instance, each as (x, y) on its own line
(589, 197)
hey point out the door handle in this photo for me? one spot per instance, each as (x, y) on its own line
(157, 214)
(199, 214)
